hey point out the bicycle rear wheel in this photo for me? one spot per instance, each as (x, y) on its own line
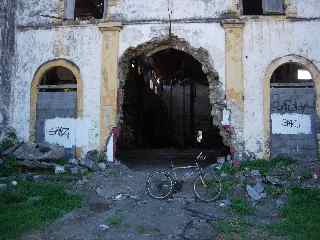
(159, 185)
(207, 187)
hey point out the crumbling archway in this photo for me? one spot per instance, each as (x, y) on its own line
(276, 64)
(148, 50)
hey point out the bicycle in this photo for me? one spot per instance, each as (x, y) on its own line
(206, 187)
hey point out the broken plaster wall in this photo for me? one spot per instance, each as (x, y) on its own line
(7, 36)
(264, 42)
(79, 45)
(142, 10)
(39, 12)
(306, 9)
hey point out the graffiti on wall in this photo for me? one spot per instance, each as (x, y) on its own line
(291, 104)
(60, 131)
(291, 123)
(68, 132)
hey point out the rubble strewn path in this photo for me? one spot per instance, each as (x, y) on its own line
(116, 207)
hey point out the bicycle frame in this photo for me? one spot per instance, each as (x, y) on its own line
(197, 166)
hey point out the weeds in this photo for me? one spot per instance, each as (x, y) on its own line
(241, 206)
(31, 205)
(301, 216)
(235, 227)
(9, 168)
(142, 230)
(114, 220)
(264, 166)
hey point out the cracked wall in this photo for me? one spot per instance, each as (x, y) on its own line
(131, 10)
(39, 12)
(7, 39)
(79, 45)
(279, 39)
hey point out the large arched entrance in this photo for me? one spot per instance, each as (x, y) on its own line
(167, 95)
(293, 108)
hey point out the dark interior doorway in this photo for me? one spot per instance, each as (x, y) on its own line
(166, 100)
(88, 9)
(252, 7)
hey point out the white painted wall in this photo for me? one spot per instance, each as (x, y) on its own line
(80, 45)
(130, 10)
(265, 41)
(29, 11)
(307, 8)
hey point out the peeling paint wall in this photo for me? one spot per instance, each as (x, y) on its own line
(36, 12)
(307, 8)
(265, 41)
(7, 38)
(80, 45)
(133, 10)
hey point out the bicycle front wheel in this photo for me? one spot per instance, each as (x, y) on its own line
(159, 185)
(207, 187)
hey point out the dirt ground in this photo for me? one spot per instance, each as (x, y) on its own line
(116, 207)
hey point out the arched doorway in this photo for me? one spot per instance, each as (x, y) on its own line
(293, 112)
(56, 102)
(166, 95)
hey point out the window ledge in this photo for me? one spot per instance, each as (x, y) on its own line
(263, 17)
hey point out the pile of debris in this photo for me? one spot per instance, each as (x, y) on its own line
(45, 156)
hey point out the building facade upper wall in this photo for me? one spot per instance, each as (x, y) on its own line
(307, 9)
(39, 12)
(131, 10)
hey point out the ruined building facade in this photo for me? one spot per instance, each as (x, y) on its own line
(78, 73)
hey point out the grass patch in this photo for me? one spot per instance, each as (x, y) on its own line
(114, 220)
(9, 167)
(32, 205)
(228, 186)
(235, 228)
(274, 191)
(241, 206)
(301, 216)
(61, 162)
(264, 166)
(142, 230)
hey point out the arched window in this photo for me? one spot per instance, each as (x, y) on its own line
(293, 113)
(293, 74)
(57, 98)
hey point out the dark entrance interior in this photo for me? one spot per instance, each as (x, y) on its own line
(262, 7)
(87, 9)
(166, 101)
(252, 7)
